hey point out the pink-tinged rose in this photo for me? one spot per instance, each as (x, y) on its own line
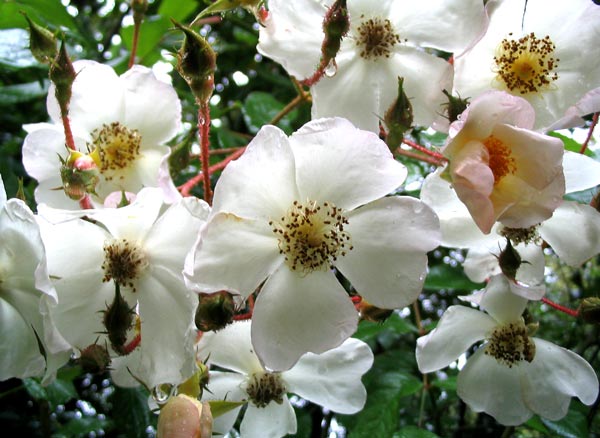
(500, 169)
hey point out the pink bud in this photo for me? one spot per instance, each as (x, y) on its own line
(184, 417)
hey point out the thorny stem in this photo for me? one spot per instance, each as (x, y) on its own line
(67, 127)
(204, 133)
(590, 132)
(563, 309)
(419, 157)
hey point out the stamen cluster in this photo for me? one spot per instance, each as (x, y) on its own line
(115, 147)
(311, 236)
(123, 262)
(377, 38)
(501, 161)
(510, 344)
(263, 388)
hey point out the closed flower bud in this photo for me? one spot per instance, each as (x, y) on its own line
(215, 311)
(196, 63)
(94, 359)
(590, 310)
(509, 261)
(184, 417)
(118, 320)
(398, 118)
(62, 74)
(42, 42)
(79, 175)
(335, 26)
(455, 106)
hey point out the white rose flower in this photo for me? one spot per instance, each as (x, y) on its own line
(534, 50)
(512, 376)
(385, 41)
(122, 121)
(291, 209)
(331, 379)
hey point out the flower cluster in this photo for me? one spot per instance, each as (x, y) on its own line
(238, 299)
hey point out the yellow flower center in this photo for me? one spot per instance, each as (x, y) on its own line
(501, 161)
(123, 262)
(510, 344)
(526, 65)
(311, 236)
(263, 388)
(376, 38)
(114, 148)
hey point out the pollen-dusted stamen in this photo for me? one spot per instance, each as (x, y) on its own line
(510, 344)
(123, 262)
(311, 236)
(521, 235)
(376, 38)
(114, 147)
(265, 387)
(501, 161)
(526, 65)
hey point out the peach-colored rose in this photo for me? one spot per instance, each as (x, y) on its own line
(501, 170)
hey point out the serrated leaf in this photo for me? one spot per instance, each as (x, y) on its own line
(444, 276)
(221, 407)
(574, 425)
(260, 108)
(133, 402)
(414, 432)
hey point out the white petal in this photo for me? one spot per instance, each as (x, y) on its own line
(2, 193)
(40, 152)
(581, 172)
(292, 35)
(391, 238)
(168, 333)
(98, 97)
(556, 375)
(231, 348)
(488, 386)
(420, 23)
(233, 254)
(332, 379)
(262, 182)
(339, 163)
(499, 301)
(573, 232)
(458, 329)
(272, 421)
(152, 106)
(458, 228)
(297, 313)
(225, 386)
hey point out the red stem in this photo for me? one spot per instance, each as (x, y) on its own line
(204, 133)
(86, 203)
(128, 348)
(68, 133)
(134, 43)
(563, 309)
(590, 133)
(423, 149)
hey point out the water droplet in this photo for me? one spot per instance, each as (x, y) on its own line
(163, 392)
(331, 69)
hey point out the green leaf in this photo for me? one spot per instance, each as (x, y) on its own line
(77, 427)
(12, 94)
(46, 12)
(260, 108)
(35, 389)
(570, 144)
(414, 432)
(133, 402)
(444, 276)
(574, 425)
(386, 384)
(368, 331)
(304, 421)
(152, 32)
(14, 49)
(177, 9)
(60, 392)
(447, 384)
(535, 423)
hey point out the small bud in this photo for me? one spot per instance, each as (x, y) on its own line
(139, 9)
(179, 158)
(79, 175)
(369, 312)
(184, 417)
(509, 261)
(398, 118)
(62, 74)
(215, 311)
(42, 42)
(118, 320)
(196, 63)
(589, 309)
(94, 359)
(455, 106)
(227, 5)
(195, 385)
(20, 191)
(335, 26)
